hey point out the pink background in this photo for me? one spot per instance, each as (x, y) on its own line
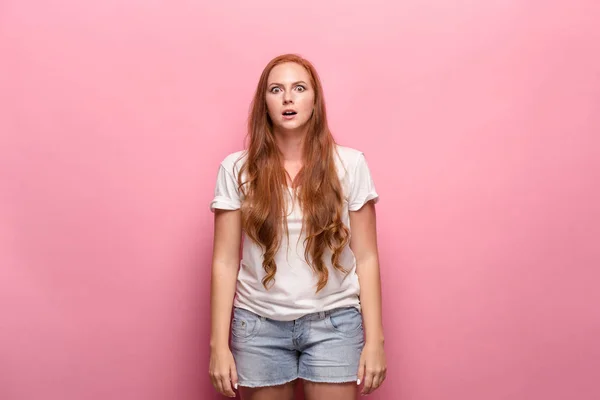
(480, 121)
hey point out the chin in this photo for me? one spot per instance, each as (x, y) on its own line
(292, 125)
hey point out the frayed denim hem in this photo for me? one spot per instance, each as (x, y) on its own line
(331, 379)
(257, 384)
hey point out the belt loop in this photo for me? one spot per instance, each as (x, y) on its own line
(322, 314)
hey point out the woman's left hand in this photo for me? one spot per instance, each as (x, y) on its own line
(372, 367)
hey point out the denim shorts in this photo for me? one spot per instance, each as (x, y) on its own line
(320, 347)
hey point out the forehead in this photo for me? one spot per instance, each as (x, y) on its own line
(288, 72)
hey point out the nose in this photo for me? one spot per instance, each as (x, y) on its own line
(287, 98)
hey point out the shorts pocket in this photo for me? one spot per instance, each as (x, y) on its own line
(245, 325)
(346, 321)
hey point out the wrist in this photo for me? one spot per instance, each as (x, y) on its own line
(374, 340)
(218, 345)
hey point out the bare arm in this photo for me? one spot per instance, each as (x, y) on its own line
(364, 247)
(226, 254)
(225, 262)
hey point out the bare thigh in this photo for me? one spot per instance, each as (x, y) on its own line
(330, 391)
(280, 392)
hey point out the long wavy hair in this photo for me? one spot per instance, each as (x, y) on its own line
(263, 181)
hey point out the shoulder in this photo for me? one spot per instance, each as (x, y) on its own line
(357, 179)
(349, 157)
(348, 154)
(233, 161)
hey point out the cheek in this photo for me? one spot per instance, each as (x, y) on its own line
(308, 103)
(272, 107)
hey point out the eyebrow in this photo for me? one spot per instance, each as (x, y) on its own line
(279, 84)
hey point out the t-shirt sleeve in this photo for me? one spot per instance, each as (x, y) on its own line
(362, 188)
(227, 195)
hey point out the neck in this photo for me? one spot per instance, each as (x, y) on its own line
(291, 145)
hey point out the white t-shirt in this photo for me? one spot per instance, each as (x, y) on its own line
(293, 293)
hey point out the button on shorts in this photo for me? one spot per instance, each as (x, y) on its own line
(320, 347)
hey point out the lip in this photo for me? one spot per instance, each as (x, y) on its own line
(289, 117)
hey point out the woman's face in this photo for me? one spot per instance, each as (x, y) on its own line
(290, 97)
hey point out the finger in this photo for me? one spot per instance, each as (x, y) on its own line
(234, 377)
(361, 372)
(227, 389)
(214, 382)
(371, 387)
(376, 382)
(380, 378)
(368, 382)
(218, 385)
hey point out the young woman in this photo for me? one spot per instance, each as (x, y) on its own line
(309, 279)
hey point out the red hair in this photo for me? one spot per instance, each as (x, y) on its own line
(317, 185)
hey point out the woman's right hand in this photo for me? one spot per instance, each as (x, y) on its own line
(222, 371)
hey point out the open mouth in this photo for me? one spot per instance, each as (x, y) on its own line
(289, 113)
